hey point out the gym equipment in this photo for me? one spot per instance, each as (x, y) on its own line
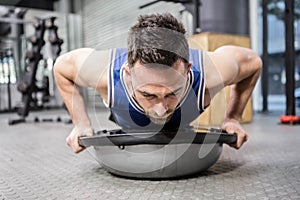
(29, 87)
(290, 119)
(157, 154)
(290, 113)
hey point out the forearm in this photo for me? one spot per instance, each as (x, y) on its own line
(72, 98)
(76, 107)
(241, 92)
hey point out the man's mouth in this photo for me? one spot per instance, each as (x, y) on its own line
(160, 120)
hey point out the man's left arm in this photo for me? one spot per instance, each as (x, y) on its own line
(240, 69)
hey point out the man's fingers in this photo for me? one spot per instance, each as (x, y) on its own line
(74, 144)
(77, 148)
(235, 128)
(241, 139)
(231, 131)
(68, 141)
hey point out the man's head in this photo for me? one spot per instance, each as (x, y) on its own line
(157, 38)
(158, 64)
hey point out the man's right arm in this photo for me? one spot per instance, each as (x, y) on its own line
(80, 68)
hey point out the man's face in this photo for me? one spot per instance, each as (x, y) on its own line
(158, 90)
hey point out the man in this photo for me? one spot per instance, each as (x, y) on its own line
(157, 82)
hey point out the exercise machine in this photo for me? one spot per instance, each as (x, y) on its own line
(159, 154)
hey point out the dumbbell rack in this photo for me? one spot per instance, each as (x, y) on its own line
(28, 87)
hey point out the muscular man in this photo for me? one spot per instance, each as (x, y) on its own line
(157, 82)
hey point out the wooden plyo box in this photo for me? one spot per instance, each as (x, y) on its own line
(214, 114)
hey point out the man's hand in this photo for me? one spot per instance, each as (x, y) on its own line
(233, 126)
(72, 139)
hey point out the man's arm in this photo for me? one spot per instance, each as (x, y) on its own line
(240, 68)
(80, 68)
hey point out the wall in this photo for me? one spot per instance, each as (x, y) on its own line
(105, 24)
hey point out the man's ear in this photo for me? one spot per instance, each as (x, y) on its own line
(188, 69)
(127, 70)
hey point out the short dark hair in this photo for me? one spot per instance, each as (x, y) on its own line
(157, 38)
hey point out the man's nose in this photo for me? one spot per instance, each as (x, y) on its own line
(160, 109)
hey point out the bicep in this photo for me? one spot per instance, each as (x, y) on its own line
(220, 70)
(84, 66)
(91, 67)
(243, 62)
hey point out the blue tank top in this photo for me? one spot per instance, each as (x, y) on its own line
(129, 115)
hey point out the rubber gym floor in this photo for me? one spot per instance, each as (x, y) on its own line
(36, 163)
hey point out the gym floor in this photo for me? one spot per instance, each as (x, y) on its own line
(35, 163)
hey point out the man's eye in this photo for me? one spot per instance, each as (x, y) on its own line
(148, 96)
(171, 95)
